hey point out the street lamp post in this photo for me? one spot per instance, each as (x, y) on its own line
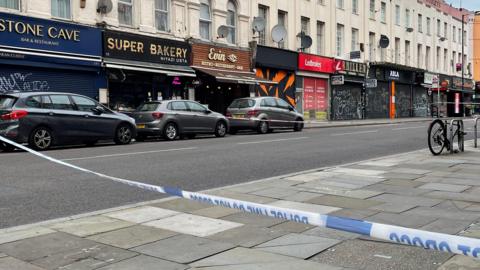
(463, 59)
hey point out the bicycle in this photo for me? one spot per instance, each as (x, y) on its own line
(438, 136)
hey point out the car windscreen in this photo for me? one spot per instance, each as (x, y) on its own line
(148, 107)
(242, 103)
(6, 102)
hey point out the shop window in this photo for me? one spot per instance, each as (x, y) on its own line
(11, 4)
(205, 19)
(162, 9)
(61, 102)
(84, 104)
(232, 22)
(125, 11)
(60, 9)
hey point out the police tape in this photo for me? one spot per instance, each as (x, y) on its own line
(407, 236)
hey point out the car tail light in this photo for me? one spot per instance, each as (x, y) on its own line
(228, 114)
(14, 115)
(157, 115)
(252, 113)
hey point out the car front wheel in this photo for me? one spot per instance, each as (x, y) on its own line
(123, 135)
(220, 129)
(170, 131)
(41, 139)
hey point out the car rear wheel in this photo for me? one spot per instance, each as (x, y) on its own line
(41, 139)
(220, 129)
(5, 147)
(298, 126)
(170, 131)
(124, 134)
(263, 127)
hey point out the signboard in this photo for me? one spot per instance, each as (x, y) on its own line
(370, 83)
(206, 55)
(435, 81)
(46, 35)
(132, 47)
(391, 74)
(354, 68)
(338, 80)
(355, 55)
(316, 63)
(467, 83)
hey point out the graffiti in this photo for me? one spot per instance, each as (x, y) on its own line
(420, 104)
(21, 82)
(402, 102)
(285, 88)
(347, 104)
(377, 102)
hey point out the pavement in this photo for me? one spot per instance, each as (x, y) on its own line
(415, 190)
(363, 122)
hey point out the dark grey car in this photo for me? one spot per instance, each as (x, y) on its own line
(173, 118)
(263, 114)
(45, 119)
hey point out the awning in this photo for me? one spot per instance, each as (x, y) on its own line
(234, 76)
(169, 70)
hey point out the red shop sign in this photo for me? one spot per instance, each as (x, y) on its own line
(316, 63)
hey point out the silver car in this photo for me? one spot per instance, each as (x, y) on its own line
(177, 118)
(263, 114)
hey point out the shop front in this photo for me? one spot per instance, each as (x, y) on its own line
(224, 74)
(347, 91)
(142, 68)
(279, 66)
(393, 96)
(313, 77)
(423, 105)
(460, 98)
(47, 55)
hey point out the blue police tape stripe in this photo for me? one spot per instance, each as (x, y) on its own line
(173, 191)
(413, 237)
(349, 225)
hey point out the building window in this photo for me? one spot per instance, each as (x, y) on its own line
(354, 39)
(439, 64)
(320, 38)
(383, 12)
(464, 38)
(355, 6)
(445, 30)
(459, 35)
(371, 47)
(454, 34)
(445, 60)
(262, 35)
(452, 62)
(125, 12)
(60, 9)
(372, 9)
(397, 50)
(205, 19)
(427, 58)
(419, 55)
(459, 59)
(231, 22)
(420, 30)
(340, 34)
(340, 4)
(13, 4)
(305, 28)
(429, 23)
(438, 29)
(161, 15)
(407, 18)
(321, 2)
(407, 52)
(397, 15)
(282, 20)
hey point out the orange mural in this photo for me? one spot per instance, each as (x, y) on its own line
(285, 88)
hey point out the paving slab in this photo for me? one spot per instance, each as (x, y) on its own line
(90, 225)
(3, 255)
(309, 207)
(405, 220)
(393, 207)
(215, 212)
(44, 245)
(253, 219)
(183, 248)
(9, 263)
(357, 172)
(448, 226)
(275, 192)
(361, 193)
(344, 202)
(11, 236)
(293, 227)
(331, 233)
(85, 264)
(143, 262)
(445, 187)
(142, 214)
(453, 205)
(399, 199)
(403, 183)
(460, 262)
(473, 231)
(354, 213)
(241, 196)
(298, 245)
(302, 196)
(371, 255)
(404, 176)
(406, 170)
(93, 257)
(445, 195)
(193, 225)
(298, 264)
(182, 205)
(247, 236)
(132, 236)
(400, 190)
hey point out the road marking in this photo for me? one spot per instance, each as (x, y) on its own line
(408, 128)
(353, 133)
(382, 256)
(278, 140)
(132, 154)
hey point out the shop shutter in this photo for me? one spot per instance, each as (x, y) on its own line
(28, 79)
(421, 105)
(347, 101)
(403, 100)
(377, 101)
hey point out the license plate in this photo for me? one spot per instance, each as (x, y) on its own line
(140, 126)
(238, 116)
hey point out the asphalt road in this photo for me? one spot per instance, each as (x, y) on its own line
(32, 189)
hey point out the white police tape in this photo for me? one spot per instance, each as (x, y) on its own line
(413, 237)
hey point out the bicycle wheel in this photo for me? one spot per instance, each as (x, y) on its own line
(437, 137)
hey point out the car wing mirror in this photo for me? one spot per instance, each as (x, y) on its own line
(98, 110)
(290, 108)
(208, 112)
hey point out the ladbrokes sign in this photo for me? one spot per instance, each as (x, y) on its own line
(146, 49)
